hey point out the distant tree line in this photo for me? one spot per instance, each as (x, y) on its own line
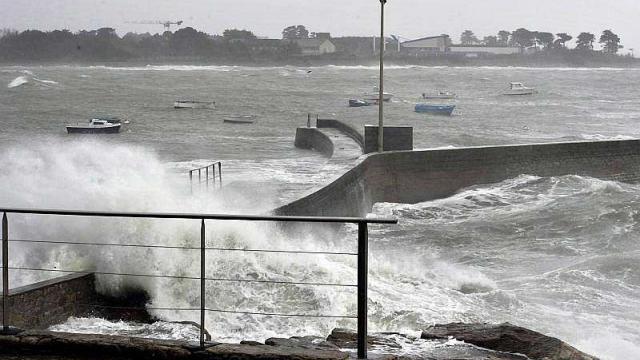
(105, 45)
(547, 41)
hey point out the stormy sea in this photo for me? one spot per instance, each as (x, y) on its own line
(559, 255)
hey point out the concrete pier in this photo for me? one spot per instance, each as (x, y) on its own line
(416, 176)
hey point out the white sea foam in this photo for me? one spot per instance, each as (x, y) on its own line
(19, 81)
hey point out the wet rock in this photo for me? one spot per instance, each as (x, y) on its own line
(347, 339)
(303, 342)
(250, 342)
(240, 351)
(507, 338)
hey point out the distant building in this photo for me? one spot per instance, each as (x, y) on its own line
(441, 45)
(321, 35)
(475, 51)
(315, 46)
(427, 45)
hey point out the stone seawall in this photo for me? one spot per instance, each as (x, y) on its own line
(312, 139)
(351, 132)
(51, 302)
(415, 176)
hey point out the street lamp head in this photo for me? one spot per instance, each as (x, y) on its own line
(383, 2)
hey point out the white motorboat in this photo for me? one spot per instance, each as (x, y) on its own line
(375, 95)
(95, 126)
(439, 95)
(192, 104)
(519, 89)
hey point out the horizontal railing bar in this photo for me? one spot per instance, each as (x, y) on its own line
(188, 277)
(311, 219)
(282, 315)
(183, 247)
(220, 311)
(204, 167)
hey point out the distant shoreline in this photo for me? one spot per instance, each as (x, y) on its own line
(504, 62)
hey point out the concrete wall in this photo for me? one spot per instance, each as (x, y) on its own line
(396, 138)
(51, 302)
(344, 128)
(312, 139)
(415, 176)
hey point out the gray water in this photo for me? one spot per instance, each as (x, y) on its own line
(558, 255)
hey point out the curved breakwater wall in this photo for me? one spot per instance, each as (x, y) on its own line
(312, 139)
(416, 176)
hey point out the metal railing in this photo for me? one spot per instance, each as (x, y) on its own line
(209, 173)
(362, 260)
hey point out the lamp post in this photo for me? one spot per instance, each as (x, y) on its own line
(381, 86)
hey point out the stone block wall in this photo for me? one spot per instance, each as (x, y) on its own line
(51, 302)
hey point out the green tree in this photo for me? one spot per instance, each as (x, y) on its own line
(610, 42)
(491, 41)
(544, 39)
(295, 32)
(468, 38)
(561, 42)
(585, 41)
(503, 37)
(523, 38)
(235, 34)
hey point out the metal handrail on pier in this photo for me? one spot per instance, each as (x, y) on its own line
(362, 256)
(209, 175)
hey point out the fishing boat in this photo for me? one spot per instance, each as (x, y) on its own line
(375, 95)
(191, 104)
(439, 95)
(239, 119)
(95, 126)
(517, 88)
(435, 109)
(358, 103)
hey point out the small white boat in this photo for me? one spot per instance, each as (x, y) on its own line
(239, 119)
(375, 95)
(519, 89)
(191, 104)
(439, 95)
(95, 126)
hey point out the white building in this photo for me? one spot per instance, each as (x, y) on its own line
(441, 45)
(427, 45)
(480, 50)
(316, 46)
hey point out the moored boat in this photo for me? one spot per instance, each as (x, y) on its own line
(439, 95)
(435, 109)
(375, 95)
(517, 88)
(95, 126)
(358, 103)
(191, 104)
(239, 119)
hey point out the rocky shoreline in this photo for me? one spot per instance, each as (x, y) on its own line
(438, 342)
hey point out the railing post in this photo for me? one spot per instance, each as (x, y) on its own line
(207, 178)
(213, 168)
(308, 120)
(200, 179)
(202, 281)
(220, 172)
(5, 273)
(363, 272)
(191, 180)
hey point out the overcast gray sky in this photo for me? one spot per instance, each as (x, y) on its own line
(408, 18)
